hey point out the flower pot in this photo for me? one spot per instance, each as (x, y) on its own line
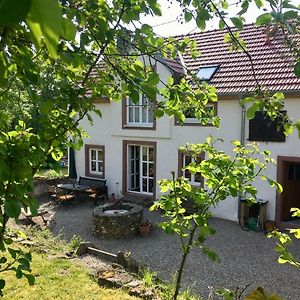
(144, 229)
(269, 226)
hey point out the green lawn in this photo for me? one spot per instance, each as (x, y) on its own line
(56, 278)
(51, 174)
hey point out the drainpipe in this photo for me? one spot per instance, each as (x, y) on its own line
(242, 140)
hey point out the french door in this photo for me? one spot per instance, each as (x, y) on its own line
(140, 169)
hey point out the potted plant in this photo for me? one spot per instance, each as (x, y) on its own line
(145, 228)
(269, 225)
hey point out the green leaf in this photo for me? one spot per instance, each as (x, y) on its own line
(238, 23)
(188, 16)
(259, 3)
(159, 113)
(13, 11)
(19, 273)
(260, 294)
(68, 30)
(3, 69)
(2, 284)
(134, 95)
(297, 69)
(45, 20)
(296, 233)
(153, 79)
(221, 24)
(30, 278)
(12, 208)
(288, 129)
(57, 154)
(12, 252)
(33, 205)
(277, 185)
(200, 22)
(3, 260)
(252, 110)
(264, 19)
(146, 28)
(149, 90)
(297, 125)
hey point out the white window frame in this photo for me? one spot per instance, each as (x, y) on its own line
(191, 181)
(137, 112)
(195, 120)
(97, 161)
(142, 177)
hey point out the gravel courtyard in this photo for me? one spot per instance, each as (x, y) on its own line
(246, 257)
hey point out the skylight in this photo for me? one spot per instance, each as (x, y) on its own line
(207, 73)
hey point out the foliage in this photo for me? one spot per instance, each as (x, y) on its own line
(46, 87)
(52, 174)
(257, 294)
(284, 240)
(56, 277)
(223, 176)
(260, 294)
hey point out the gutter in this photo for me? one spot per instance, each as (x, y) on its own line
(242, 140)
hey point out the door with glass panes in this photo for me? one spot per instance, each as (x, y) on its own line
(140, 169)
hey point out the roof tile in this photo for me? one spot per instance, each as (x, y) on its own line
(272, 62)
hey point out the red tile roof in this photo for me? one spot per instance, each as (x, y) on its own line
(273, 63)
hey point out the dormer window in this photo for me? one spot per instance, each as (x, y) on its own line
(206, 73)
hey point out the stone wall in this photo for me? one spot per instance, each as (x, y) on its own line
(119, 224)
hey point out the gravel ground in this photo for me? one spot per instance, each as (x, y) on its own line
(246, 256)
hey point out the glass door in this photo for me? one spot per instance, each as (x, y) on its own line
(141, 169)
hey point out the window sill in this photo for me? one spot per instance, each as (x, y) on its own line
(139, 195)
(139, 126)
(93, 175)
(193, 123)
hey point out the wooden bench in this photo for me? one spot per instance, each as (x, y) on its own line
(98, 186)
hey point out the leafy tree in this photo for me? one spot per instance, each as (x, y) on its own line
(51, 53)
(284, 240)
(223, 176)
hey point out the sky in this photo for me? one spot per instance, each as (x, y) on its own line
(168, 25)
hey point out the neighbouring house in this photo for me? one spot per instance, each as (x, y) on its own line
(132, 150)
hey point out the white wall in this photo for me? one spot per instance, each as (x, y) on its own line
(108, 131)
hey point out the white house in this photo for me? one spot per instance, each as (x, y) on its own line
(132, 151)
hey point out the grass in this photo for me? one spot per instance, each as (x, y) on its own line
(61, 278)
(52, 174)
(56, 278)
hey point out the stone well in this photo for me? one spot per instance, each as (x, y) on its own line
(114, 220)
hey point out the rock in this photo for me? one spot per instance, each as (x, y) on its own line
(38, 220)
(82, 249)
(129, 263)
(134, 283)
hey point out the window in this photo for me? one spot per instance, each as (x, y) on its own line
(139, 167)
(262, 128)
(191, 119)
(138, 115)
(206, 73)
(94, 161)
(185, 159)
(294, 172)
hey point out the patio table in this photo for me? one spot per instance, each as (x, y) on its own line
(74, 187)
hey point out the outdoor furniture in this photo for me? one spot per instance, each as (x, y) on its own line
(96, 190)
(59, 194)
(74, 187)
(97, 186)
(96, 197)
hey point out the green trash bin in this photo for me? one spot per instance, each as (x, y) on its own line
(252, 223)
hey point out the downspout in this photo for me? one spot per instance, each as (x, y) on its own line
(242, 140)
